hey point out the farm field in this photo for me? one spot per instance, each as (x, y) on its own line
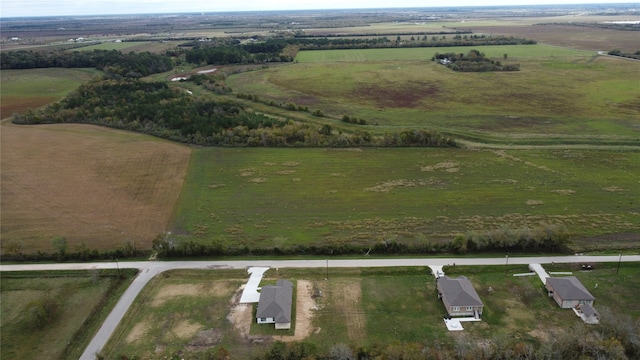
(31, 89)
(395, 88)
(76, 303)
(266, 198)
(98, 188)
(192, 313)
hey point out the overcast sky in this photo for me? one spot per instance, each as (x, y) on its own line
(13, 8)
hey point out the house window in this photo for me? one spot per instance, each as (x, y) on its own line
(469, 308)
(263, 319)
(456, 308)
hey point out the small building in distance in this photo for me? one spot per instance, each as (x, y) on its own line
(274, 306)
(568, 292)
(459, 296)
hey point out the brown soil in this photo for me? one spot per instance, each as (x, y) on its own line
(171, 291)
(89, 184)
(138, 331)
(11, 105)
(305, 306)
(409, 95)
(186, 329)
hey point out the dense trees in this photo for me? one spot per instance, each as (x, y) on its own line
(113, 62)
(473, 61)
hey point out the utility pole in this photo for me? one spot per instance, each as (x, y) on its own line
(619, 260)
(327, 278)
(118, 267)
(506, 264)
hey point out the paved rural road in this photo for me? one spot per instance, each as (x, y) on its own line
(149, 269)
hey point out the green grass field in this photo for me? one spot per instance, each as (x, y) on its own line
(24, 89)
(82, 301)
(596, 101)
(269, 198)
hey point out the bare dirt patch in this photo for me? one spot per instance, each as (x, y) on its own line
(186, 329)
(139, 331)
(241, 314)
(172, 291)
(88, 184)
(305, 306)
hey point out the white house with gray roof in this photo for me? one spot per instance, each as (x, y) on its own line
(459, 297)
(274, 306)
(568, 292)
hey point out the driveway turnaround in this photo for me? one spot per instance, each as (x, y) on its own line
(149, 269)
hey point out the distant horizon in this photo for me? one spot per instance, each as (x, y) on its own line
(49, 8)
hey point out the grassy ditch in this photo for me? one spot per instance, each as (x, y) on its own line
(54, 314)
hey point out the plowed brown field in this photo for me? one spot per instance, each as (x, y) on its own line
(89, 184)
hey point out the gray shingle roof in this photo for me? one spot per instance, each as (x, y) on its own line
(569, 288)
(458, 291)
(275, 301)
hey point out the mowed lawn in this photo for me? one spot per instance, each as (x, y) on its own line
(265, 198)
(97, 187)
(557, 91)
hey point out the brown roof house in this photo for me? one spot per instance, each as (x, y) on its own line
(274, 306)
(459, 296)
(568, 292)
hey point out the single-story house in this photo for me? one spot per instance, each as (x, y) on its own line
(274, 306)
(459, 296)
(568, 292)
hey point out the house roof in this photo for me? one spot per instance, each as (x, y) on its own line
(458, 291)
(569, 288)
(275, 301)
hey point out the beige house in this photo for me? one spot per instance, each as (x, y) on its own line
(459, 297)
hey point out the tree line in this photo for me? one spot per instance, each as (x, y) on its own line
(547, 238)
(273, 49)
(114, 62)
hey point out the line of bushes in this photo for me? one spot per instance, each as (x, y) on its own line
(548, 238)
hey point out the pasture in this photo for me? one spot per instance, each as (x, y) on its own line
(76, 303)
(193, 313)
(266, 198)
(597, 101)
(31, 89)
(98, 188)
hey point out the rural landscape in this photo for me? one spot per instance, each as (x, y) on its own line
(443, 133)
